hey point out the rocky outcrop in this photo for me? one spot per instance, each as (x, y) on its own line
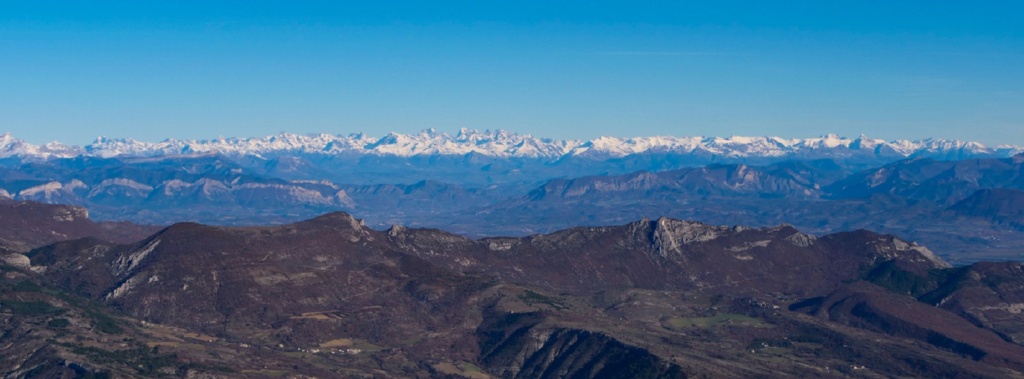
(15, 260)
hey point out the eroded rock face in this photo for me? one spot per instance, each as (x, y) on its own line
(70, 214)
(16, 260)
(670, 234)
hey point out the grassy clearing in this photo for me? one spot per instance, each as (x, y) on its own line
(336, 343)
(31, 308)
(171, 344)
(531, 298)
(470, 368)
(350, 343)
(463, 369)
(274, 373)
(199, 337)
(314, 316)
(366, 346)
(413, 340)
(105, 323)
(721, 319)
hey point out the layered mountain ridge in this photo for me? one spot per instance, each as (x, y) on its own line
(967, 208)
(661, 298)
(504, 144)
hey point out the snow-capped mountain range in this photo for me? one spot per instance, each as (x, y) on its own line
(504, 144)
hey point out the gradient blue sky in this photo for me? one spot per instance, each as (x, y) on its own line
(150, 70)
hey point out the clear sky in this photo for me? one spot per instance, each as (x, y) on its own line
(150, 70)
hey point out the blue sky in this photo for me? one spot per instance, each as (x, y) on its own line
(562, 69)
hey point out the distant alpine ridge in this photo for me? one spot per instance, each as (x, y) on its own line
(504, 144)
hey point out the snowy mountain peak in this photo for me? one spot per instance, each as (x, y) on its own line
(506, 144)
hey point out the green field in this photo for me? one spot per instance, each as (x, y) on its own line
(721, 319)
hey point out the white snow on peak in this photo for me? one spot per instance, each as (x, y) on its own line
(13, 147)
(502, 144)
